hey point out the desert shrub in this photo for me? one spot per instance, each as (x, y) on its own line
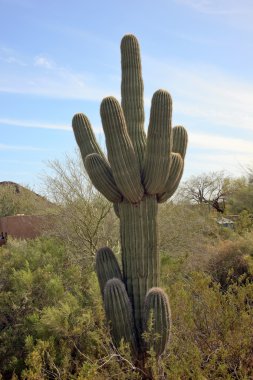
(212, 336)
(242, 198)
(184, 229)
(228, 262)
(244, 223)
(45, 299)
(51, 317)
(210, 340)
(86, 220)
(52, 322)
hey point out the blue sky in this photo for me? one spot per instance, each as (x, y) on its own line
(62, 57)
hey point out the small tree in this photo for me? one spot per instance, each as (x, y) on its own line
(211, 189)
(82, 211)
(241, 197)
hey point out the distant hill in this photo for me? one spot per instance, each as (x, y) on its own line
(16, 199)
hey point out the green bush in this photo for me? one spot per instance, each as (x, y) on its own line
(244, 222)
(52, 322)
(45, 301)
(228, 263)
(211, 332)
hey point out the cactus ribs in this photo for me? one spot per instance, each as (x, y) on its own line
(139, 173)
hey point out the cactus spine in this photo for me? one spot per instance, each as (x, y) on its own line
(139, 172)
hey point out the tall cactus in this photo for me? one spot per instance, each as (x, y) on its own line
(140, 172)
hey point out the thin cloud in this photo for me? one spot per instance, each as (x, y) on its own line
(225, 144)
(42, 76)
(199, 91)
(228, 159)
(55, 83)
(231, 163)
(43, 61)
(19, 147)
(24, 162)
(215, 152)
(9, 56)
(33, 124)
(218, 7)
(204, 93)
(233, 13)
(37, 124)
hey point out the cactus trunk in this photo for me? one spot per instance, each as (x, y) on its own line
(140, 260)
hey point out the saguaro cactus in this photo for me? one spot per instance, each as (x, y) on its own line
(140, 172)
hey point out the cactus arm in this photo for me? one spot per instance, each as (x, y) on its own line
(180, 140)
(132, 94)
(101, 176)
(175, 174)
(121, 154)
(159, 143)
(84, 136)
(171, 190)
(107, 267)
(119, 314)
(157, 308)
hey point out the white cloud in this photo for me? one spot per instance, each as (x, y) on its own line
(42, 61)
(235, 161)
(55, 83)
(213, 153)
(203, 92)
(220, 7)
(19, 147)
(225, 144)
(234, 13)
(24, 162)
(42, 76)
(33, 124)
(42, 125)
(10, 56)
(233, 164)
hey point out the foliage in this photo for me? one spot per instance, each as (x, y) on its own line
(85, 219)
(185, 229)
(241, 198)
(46, 305)
(228, 263)
(211, 333)
(52, 322)
(244, 223)
(16, 199)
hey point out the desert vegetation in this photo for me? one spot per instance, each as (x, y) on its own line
(51, 315)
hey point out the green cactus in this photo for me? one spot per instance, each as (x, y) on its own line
(157, 312)
(119, 313)
(139, 173)
(107, 267)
